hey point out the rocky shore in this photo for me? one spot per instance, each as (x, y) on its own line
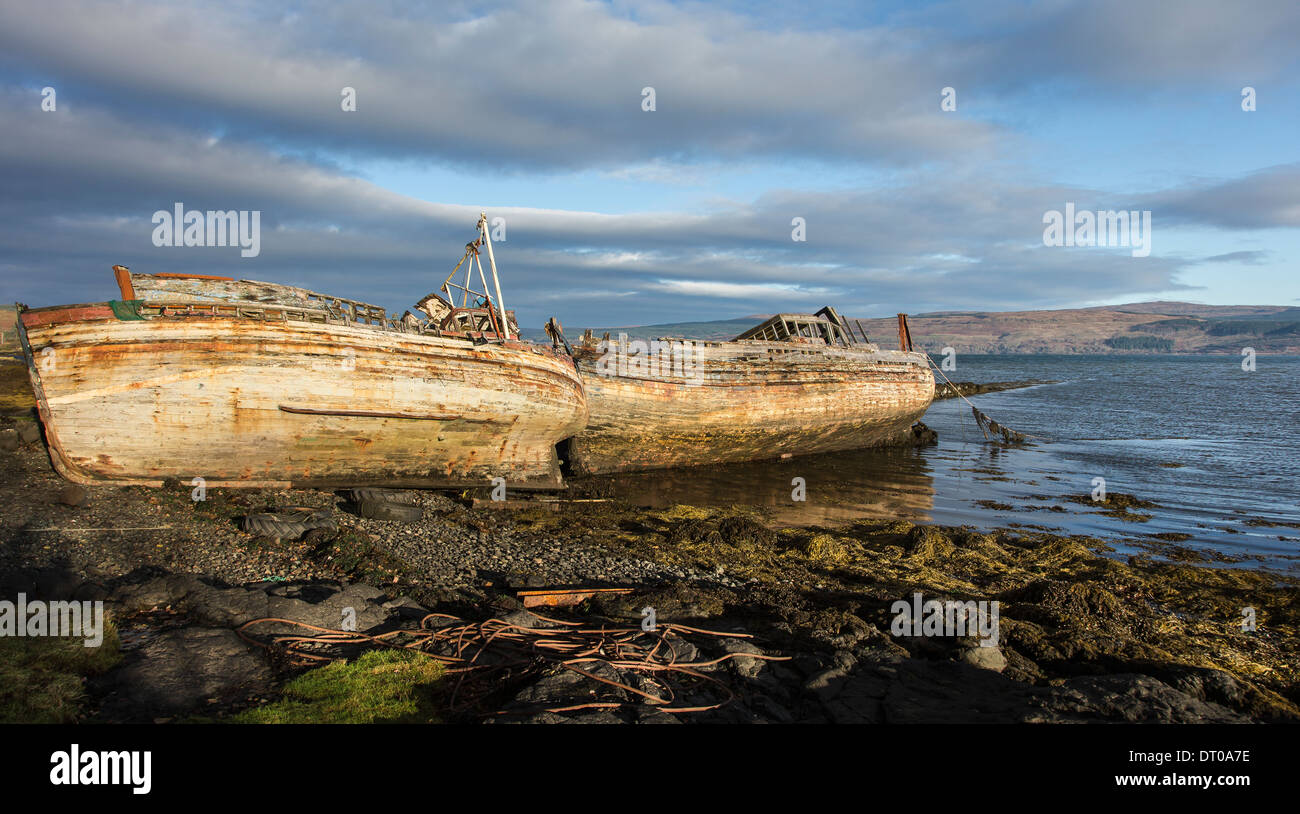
(763, 624)
(952, 390)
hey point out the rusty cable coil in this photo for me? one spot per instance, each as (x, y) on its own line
(472, 648)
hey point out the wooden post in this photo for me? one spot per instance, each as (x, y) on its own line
(862, 331)
(123, 275)
(904, 335)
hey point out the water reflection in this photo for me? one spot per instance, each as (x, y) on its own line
(838, 487)
(1184, 452)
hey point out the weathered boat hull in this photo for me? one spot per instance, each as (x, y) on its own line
(251, 402)
(748, 401)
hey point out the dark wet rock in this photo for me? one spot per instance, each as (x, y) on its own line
(327, 608)
(184, 670)
(857, 704)
(230, 607)
(683, 650)
(594, 716)
(677, 602)
(953, 692)
(807, 664)
(653, 715)
(880, 649)
(742, 660)
(74, 495)
(528, 619)
(48, 583)
(917, 435)
(320, 604)
(29, 432)
(1134, 699)
(8, 440)
(406, 608)
(827, 683)
(985, 658)
(1205, 684)
(952, 390)
(769, 709)
(140, 592)
(537, 718)
(564, 688)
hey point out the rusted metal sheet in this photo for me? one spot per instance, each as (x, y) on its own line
(742, 401)
(564, 597)
(200, 395)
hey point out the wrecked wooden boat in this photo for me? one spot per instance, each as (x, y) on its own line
(252, 384)
(797, 384)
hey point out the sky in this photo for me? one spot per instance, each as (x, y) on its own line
(616, 214)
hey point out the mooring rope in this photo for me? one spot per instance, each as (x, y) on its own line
(980, 418)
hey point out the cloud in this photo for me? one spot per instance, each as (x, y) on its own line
(83, 185)
(236, 106)
(1265, 199)
(1248, 258)
(555, 85)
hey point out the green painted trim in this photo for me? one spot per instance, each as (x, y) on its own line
(126, 309)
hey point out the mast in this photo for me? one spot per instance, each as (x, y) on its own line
(501, 306)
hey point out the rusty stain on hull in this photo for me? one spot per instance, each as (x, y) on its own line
(261, 403)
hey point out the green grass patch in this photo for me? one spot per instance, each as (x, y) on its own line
(42, 679)
(381, 686)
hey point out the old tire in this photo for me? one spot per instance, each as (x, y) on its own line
(289, 524)
(388, 510)
(373, 493)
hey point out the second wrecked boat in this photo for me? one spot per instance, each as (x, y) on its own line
(797, 384)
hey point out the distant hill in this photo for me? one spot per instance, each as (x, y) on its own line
(717, 330)
(1146, 327)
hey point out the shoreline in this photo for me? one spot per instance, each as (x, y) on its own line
(1083, 637)
(944, 390)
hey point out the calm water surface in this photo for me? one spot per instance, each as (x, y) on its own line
(1213, 446)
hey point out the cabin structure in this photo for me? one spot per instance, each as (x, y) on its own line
(826, 325)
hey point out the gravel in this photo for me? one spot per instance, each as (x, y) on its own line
(119, 529)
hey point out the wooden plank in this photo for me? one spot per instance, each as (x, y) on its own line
(123, 276)
(379, 414)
